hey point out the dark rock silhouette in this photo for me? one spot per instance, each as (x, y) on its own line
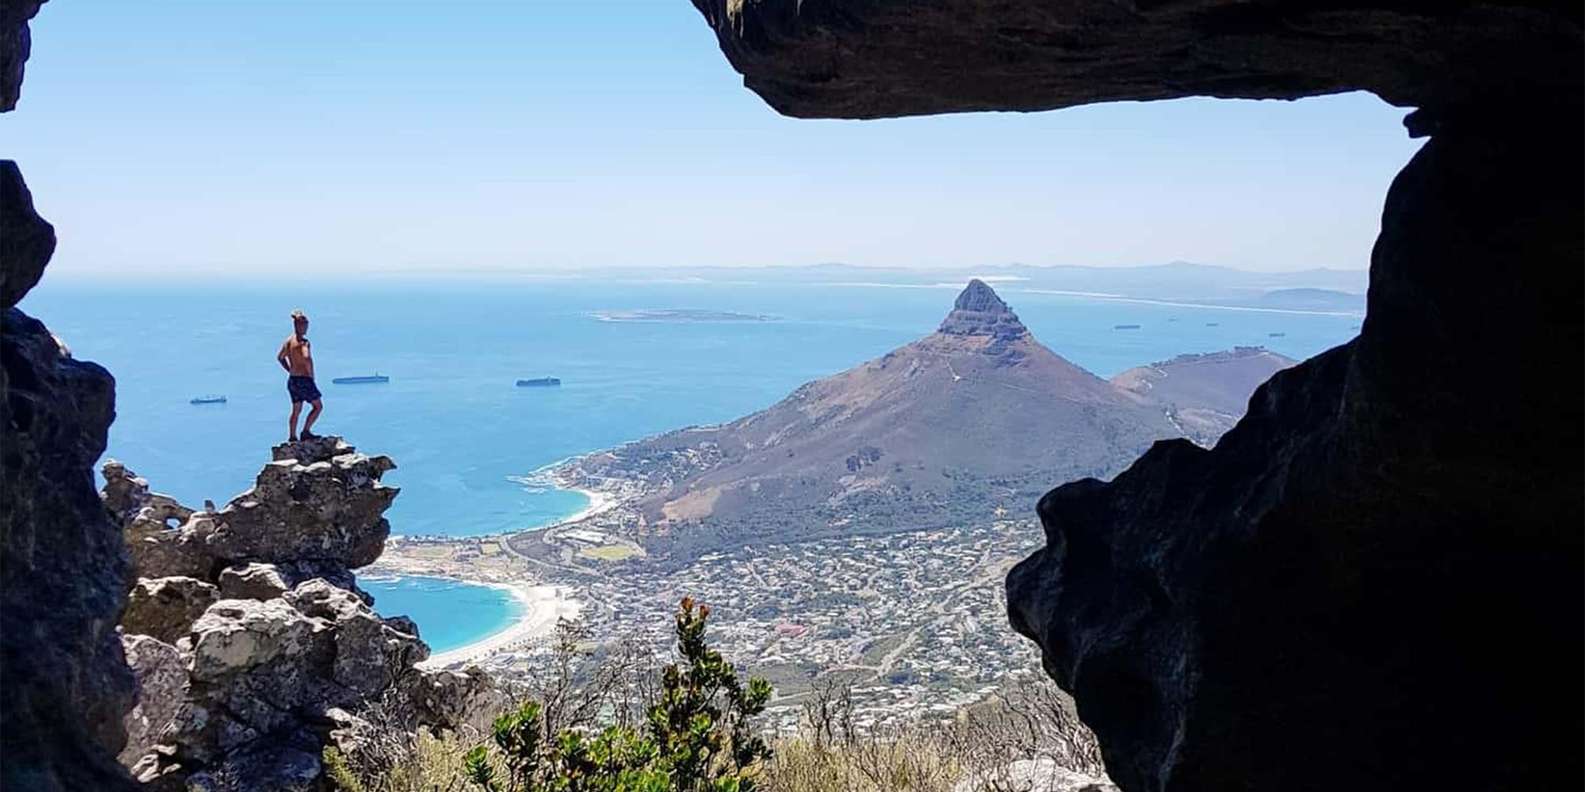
(66, 685)
(1373, 581)
(1296, 608)
(14, 48)
(879, 58)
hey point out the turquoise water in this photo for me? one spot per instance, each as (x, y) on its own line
(449, 613)
(465, 439)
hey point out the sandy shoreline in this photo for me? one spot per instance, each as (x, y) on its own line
(599, 503)
(542, 607)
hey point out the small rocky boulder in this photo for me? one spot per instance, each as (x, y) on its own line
(165, 608)
(253, 581)
(161, 673)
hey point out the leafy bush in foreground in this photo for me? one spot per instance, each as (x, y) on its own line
(696, 737)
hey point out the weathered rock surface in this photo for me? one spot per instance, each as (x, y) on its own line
(314, 512)
(166, 607)
(161, 673)
(253, 581)
(1373, 581)
(875, 58)
(1035, 775)
(62, 567)
(279, 649)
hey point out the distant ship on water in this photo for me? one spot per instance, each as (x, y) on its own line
(211, 399)
(539, 382)
(366, 378)
(1276, 335)
(1125, 327)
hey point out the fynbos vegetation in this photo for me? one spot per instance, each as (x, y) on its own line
(618, 724)
(696, 738)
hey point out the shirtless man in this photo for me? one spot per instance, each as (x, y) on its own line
(298, 360)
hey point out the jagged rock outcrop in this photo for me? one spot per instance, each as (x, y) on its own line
(166, 607)
(279, 651)
(876, 58)
(1373, 581)
(979, 311)
(315, 508)
(63, 570)
(14, 50)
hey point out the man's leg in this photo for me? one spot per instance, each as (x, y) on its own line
(313, 415)
(291, 426)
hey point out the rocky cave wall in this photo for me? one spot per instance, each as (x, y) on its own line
(63, 570)
(1374, 581)
(64, 683)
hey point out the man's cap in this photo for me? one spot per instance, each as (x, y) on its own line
(297, 313)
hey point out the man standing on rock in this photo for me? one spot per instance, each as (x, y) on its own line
(298, 360)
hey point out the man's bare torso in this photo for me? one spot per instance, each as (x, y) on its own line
(299, 358)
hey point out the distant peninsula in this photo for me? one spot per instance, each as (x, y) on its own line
(678, 315)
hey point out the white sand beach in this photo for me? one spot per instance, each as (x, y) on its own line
(599, 503)
(542, 607)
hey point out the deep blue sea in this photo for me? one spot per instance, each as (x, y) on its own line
(449, 613)
(465, 439)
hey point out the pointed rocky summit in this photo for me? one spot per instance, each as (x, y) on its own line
(980, 312)
(975, 417)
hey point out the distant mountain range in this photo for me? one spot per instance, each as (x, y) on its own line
(975, 418)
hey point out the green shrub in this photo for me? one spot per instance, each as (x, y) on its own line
(696, 737)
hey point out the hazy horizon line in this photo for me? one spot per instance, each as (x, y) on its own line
(577, 272)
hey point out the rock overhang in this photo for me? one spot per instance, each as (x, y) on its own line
(881, 58)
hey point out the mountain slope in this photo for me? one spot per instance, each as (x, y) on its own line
(973, 417)
(1204, 395)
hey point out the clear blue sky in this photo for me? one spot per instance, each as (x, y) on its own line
(349, 136)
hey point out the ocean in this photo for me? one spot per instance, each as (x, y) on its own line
(450, 614)
(467, 442)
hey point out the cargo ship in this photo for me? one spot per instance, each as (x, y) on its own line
(207, 400)
(539, 382)
(366, 378)
(1125, 327)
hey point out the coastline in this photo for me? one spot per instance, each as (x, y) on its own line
(599, 503)
(558, 475)
(542, 607)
